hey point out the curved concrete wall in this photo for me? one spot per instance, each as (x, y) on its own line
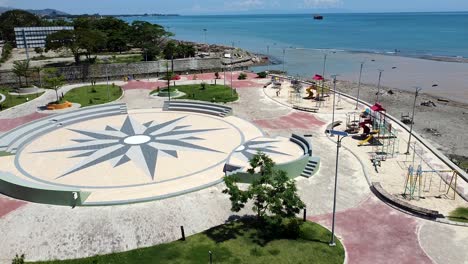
(15, 187)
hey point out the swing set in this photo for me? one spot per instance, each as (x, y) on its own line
(419, 180)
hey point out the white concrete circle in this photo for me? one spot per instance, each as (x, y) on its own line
(137, 140)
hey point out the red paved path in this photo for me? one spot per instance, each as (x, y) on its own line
(210, 76)
(375, 233)
(132, 85)
(295, 120)
(8, 205)
(8, 124)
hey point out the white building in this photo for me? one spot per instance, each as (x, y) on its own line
(35, 37)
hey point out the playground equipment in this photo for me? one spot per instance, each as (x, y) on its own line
(352, 122)
(310, 92)
(420, 180)
(295, 92)
(378, 132)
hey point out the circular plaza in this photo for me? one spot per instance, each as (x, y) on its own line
(107, 155)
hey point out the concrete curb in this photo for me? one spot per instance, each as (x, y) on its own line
(23, 104)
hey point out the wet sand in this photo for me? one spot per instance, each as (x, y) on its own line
(450, 119)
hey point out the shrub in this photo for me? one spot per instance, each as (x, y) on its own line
(6, 52)
(18, 259)
(242, 76)
(203, 85)
(262, 74)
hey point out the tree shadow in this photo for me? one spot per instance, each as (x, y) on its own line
(234, 227)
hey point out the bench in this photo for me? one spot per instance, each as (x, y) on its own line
(306, 109)
(379, 190)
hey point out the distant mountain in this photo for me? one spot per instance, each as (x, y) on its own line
(48, 12)
(39, 12)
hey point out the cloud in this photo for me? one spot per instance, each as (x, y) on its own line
(322, 3)
(4, 2)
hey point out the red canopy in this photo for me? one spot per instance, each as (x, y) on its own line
(318, 77)
(377, 108)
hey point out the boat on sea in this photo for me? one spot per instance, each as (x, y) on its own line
(318, 17)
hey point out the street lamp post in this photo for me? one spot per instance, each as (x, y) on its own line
(284, 60)
(323, 76)
(418, 89)
(359, 86)
(232, 55)
(268, 56)
(204, 30)
(334, 95)
(107, 79)
(341, 135)
(378, 85)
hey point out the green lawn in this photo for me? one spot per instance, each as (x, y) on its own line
(14, 100)
(236, 242)
(211, 93)
(93, 95)
(460, 214)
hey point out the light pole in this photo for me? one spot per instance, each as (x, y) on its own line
(107, 79)
(418, 89)
(359, 86)
(378, 85)
(334, 95)
(341, 135)
(268, 56)
(204, 30)
(284, 60)
(323, 76)
(232, 55)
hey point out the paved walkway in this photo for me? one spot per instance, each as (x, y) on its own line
(372, 232)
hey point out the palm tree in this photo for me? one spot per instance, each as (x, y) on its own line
(21, 69)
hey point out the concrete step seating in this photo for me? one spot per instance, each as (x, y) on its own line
(311, 167)
(16, 138)
(303, 143)
(198, 107)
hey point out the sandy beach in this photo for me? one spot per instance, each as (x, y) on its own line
(444, 124)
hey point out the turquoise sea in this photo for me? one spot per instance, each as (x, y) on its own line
(348, 39)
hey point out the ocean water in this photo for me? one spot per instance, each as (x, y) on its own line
(436, 34)
(348, 39)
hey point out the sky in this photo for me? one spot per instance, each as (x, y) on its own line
(193, 7)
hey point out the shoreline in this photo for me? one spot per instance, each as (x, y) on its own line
(443, 125)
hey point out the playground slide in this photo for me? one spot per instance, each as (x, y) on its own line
(366, 140)
(310, 93)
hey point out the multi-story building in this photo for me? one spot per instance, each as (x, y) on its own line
(35, 37)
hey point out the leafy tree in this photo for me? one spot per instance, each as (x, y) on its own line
(39, 50)
(64, 39)
(272, 192)
(21, 69)
(90, 42)
(82, 41)
(53, 80)
(144, 33)
(16, 18)
(170, 50)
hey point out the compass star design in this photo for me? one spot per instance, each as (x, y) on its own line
(249, 149)
(142, 144)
